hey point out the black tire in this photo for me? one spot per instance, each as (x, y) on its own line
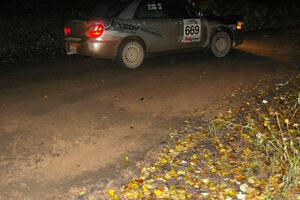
(220, 44)
(131, 54)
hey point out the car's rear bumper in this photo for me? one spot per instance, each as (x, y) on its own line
(93, 48)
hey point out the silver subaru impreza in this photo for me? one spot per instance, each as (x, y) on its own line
(128, 30)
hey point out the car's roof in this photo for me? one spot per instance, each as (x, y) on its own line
(129, 11)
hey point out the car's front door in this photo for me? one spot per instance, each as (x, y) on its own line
(187, 25)
(157, 30)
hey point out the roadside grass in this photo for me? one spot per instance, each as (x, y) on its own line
(282, 148)
(281, 143)
(251, 152)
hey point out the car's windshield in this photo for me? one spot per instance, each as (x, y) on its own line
(109, 8)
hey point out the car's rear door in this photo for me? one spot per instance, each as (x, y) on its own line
(156, 29)
(188, 26)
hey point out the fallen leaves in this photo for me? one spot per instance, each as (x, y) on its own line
(230, 160)
(112, 195)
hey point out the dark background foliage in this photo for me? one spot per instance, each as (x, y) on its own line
(258, 14)
(33, 29)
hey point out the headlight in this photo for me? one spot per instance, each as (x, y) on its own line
(239, 25)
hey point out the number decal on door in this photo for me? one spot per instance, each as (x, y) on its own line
(192, 30)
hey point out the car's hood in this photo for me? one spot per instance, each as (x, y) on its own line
(229, 19)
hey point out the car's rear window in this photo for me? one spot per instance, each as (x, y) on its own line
(109, 8)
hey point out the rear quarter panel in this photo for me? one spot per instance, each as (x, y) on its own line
(156, 34)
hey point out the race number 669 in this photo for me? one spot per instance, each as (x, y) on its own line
(192, 30)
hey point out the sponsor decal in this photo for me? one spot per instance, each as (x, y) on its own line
(159, 6)
(107, 25)
(154, 6)
(118, 26)
(191, 30)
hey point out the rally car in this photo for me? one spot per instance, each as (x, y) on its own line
(128, 30)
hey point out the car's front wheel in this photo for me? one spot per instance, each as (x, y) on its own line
(220, 44)
(131, 54)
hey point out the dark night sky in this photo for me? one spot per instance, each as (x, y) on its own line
(65, 7)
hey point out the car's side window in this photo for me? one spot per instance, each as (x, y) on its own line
(193, 12)
(176, 10)
(150, 9)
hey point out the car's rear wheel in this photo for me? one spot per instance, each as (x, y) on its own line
(220, 44)
(131, 54)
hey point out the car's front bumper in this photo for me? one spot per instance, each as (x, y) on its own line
(238, 39)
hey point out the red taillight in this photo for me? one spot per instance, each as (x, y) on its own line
(95, 31)
(67, 31)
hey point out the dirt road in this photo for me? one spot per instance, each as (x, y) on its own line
(72, 122)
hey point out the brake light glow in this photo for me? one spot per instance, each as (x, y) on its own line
(95, 31)
(67, 31)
